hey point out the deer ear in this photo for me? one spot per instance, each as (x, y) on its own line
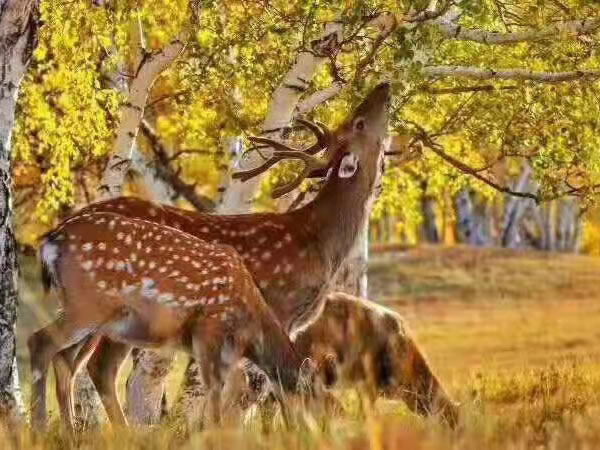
(348, 166)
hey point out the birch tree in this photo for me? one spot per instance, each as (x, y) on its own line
(18, 36)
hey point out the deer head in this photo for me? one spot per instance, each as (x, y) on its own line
(356, 146)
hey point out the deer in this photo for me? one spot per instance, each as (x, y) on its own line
(358, 342)
(383, 357)
(147, 285)
(291, 256)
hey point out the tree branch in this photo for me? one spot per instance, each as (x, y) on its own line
(151, 65)
(319, 97)
(466, 169)
(167, 174)
(477, 73)
(453, 30)
(465, 89)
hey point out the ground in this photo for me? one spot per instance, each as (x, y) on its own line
(515, 337)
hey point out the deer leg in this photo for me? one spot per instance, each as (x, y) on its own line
(67, 364)
(43, 345)
(421, 390)
(103, 367)
(209, 355)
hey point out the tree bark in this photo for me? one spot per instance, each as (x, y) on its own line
(514, 211)
(452, 30)
(469, 226)
(284, 102)
(132, 112)
(429, 229)
(476, 73)
(18, 37)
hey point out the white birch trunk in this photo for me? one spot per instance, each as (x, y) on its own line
(238, 198)
(132, 113)
(18, 35)
(514, 210)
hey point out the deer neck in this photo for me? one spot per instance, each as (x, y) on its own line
(340, 211)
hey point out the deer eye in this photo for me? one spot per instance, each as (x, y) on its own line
(359, 124)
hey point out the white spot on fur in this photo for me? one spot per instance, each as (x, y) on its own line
(266, 256)
(165, 297)
(102, 246)
(87, 246)
(148, 288)
(87, 265)
(101, 284)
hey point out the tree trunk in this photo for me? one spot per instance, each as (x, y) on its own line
(513, 213)
(547, 224)
(429, 229)
(469, 226)
(569, 227)
(352, 276)
(18, 36)
(132, 113)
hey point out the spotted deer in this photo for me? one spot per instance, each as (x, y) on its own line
(147, 285)
(359, 343)
(291, 256)
(383, 356)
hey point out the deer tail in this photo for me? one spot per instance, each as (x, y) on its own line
(49, 255)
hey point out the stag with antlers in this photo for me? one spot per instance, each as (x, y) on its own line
(293, 256)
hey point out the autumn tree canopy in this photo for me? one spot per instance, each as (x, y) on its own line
(481, 87)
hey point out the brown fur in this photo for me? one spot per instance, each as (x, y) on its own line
(371, 345)
(144, 284)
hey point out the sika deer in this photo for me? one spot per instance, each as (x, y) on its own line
(147, 285)
(292, 256)
(383, 355)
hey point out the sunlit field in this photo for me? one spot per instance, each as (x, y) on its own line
(515, 337)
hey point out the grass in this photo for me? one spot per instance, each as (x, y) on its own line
(515, 337)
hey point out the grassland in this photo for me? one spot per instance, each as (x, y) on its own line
(514, 336)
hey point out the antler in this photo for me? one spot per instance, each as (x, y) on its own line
(282, 151)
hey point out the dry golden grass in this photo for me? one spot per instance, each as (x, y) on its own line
(514, 336)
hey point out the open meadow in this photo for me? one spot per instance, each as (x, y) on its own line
(514, 336)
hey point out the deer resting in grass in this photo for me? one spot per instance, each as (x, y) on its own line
(143, 284)
(293, 256)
